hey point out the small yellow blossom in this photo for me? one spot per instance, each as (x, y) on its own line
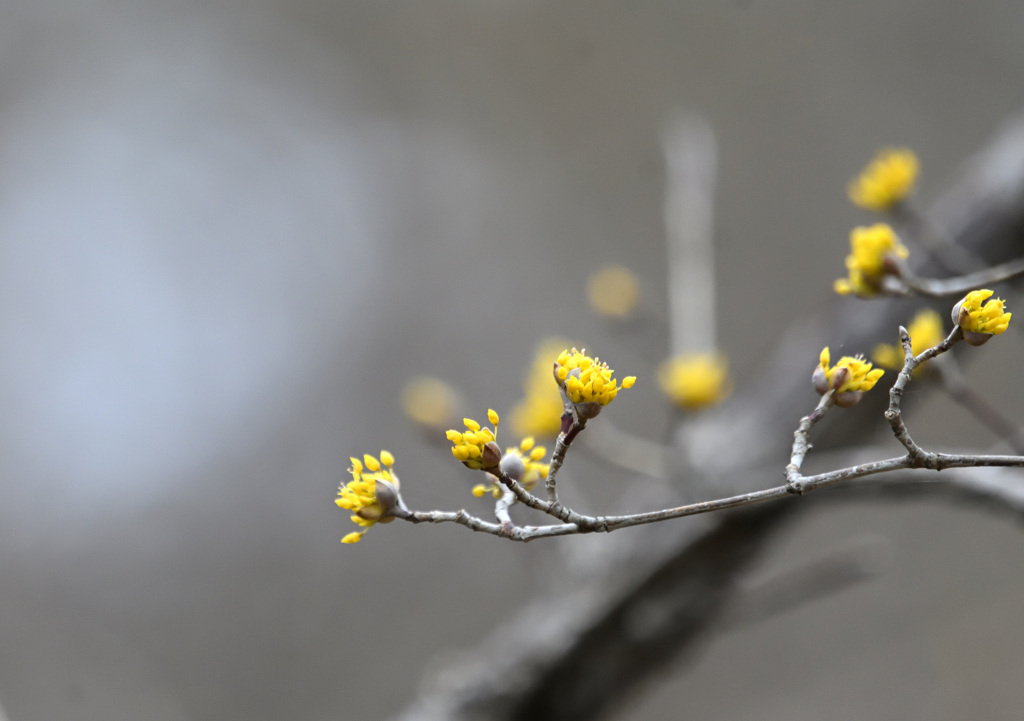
(866, 265)
(539, 413)
(371, 494)
(534, 470)
(695, 380)
(849, 377)
(475, 446)
(430, 402)
(886, 181)
(613, 291)
(925, 332)
(979, 317)
(588, 380)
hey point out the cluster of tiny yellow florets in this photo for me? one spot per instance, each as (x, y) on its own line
(925, 332)
(539, 412)
(695, 380)
(534, 470)
(471, 445)
(979, 317)
(366, 495)
(866, 265)
(586, 379)
(849, 377)
(886, 181)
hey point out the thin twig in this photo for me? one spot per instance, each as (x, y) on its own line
(501, 506)
(935, 240)
(572, 424)
(796, 482)
(909, 284)
(513, 533)
(801, 442)
(893, 413)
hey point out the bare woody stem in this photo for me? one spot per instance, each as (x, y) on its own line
(909, 284)
(572, 424)
(510, 532)
(934, 239)
(796, 483)
(565, 438)
(801, 443)
(581, 524)
(893, 413)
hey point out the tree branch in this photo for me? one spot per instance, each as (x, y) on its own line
(581, 653)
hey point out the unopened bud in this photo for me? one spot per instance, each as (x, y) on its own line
(512, 465)
(386, 495)
(974, 338)
(491, 456)
(839, 377)
(960, 314)
(588, 410)
(848, 399)
(819, 380)
(891, 265)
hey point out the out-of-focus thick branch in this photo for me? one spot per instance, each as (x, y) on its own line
(580, 654)
(559, 657)
(691, 164)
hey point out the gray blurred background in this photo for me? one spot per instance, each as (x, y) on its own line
(230, 231)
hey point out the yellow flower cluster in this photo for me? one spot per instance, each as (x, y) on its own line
(430, 403)
(371, 494)
(586, 379)
(534, 470)
(471, 446)
(886, 181)
(613, 291)
(979, 317)
(539, 413)
(925, 332)
(695, 380)
(866, 264)
(851, 374)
